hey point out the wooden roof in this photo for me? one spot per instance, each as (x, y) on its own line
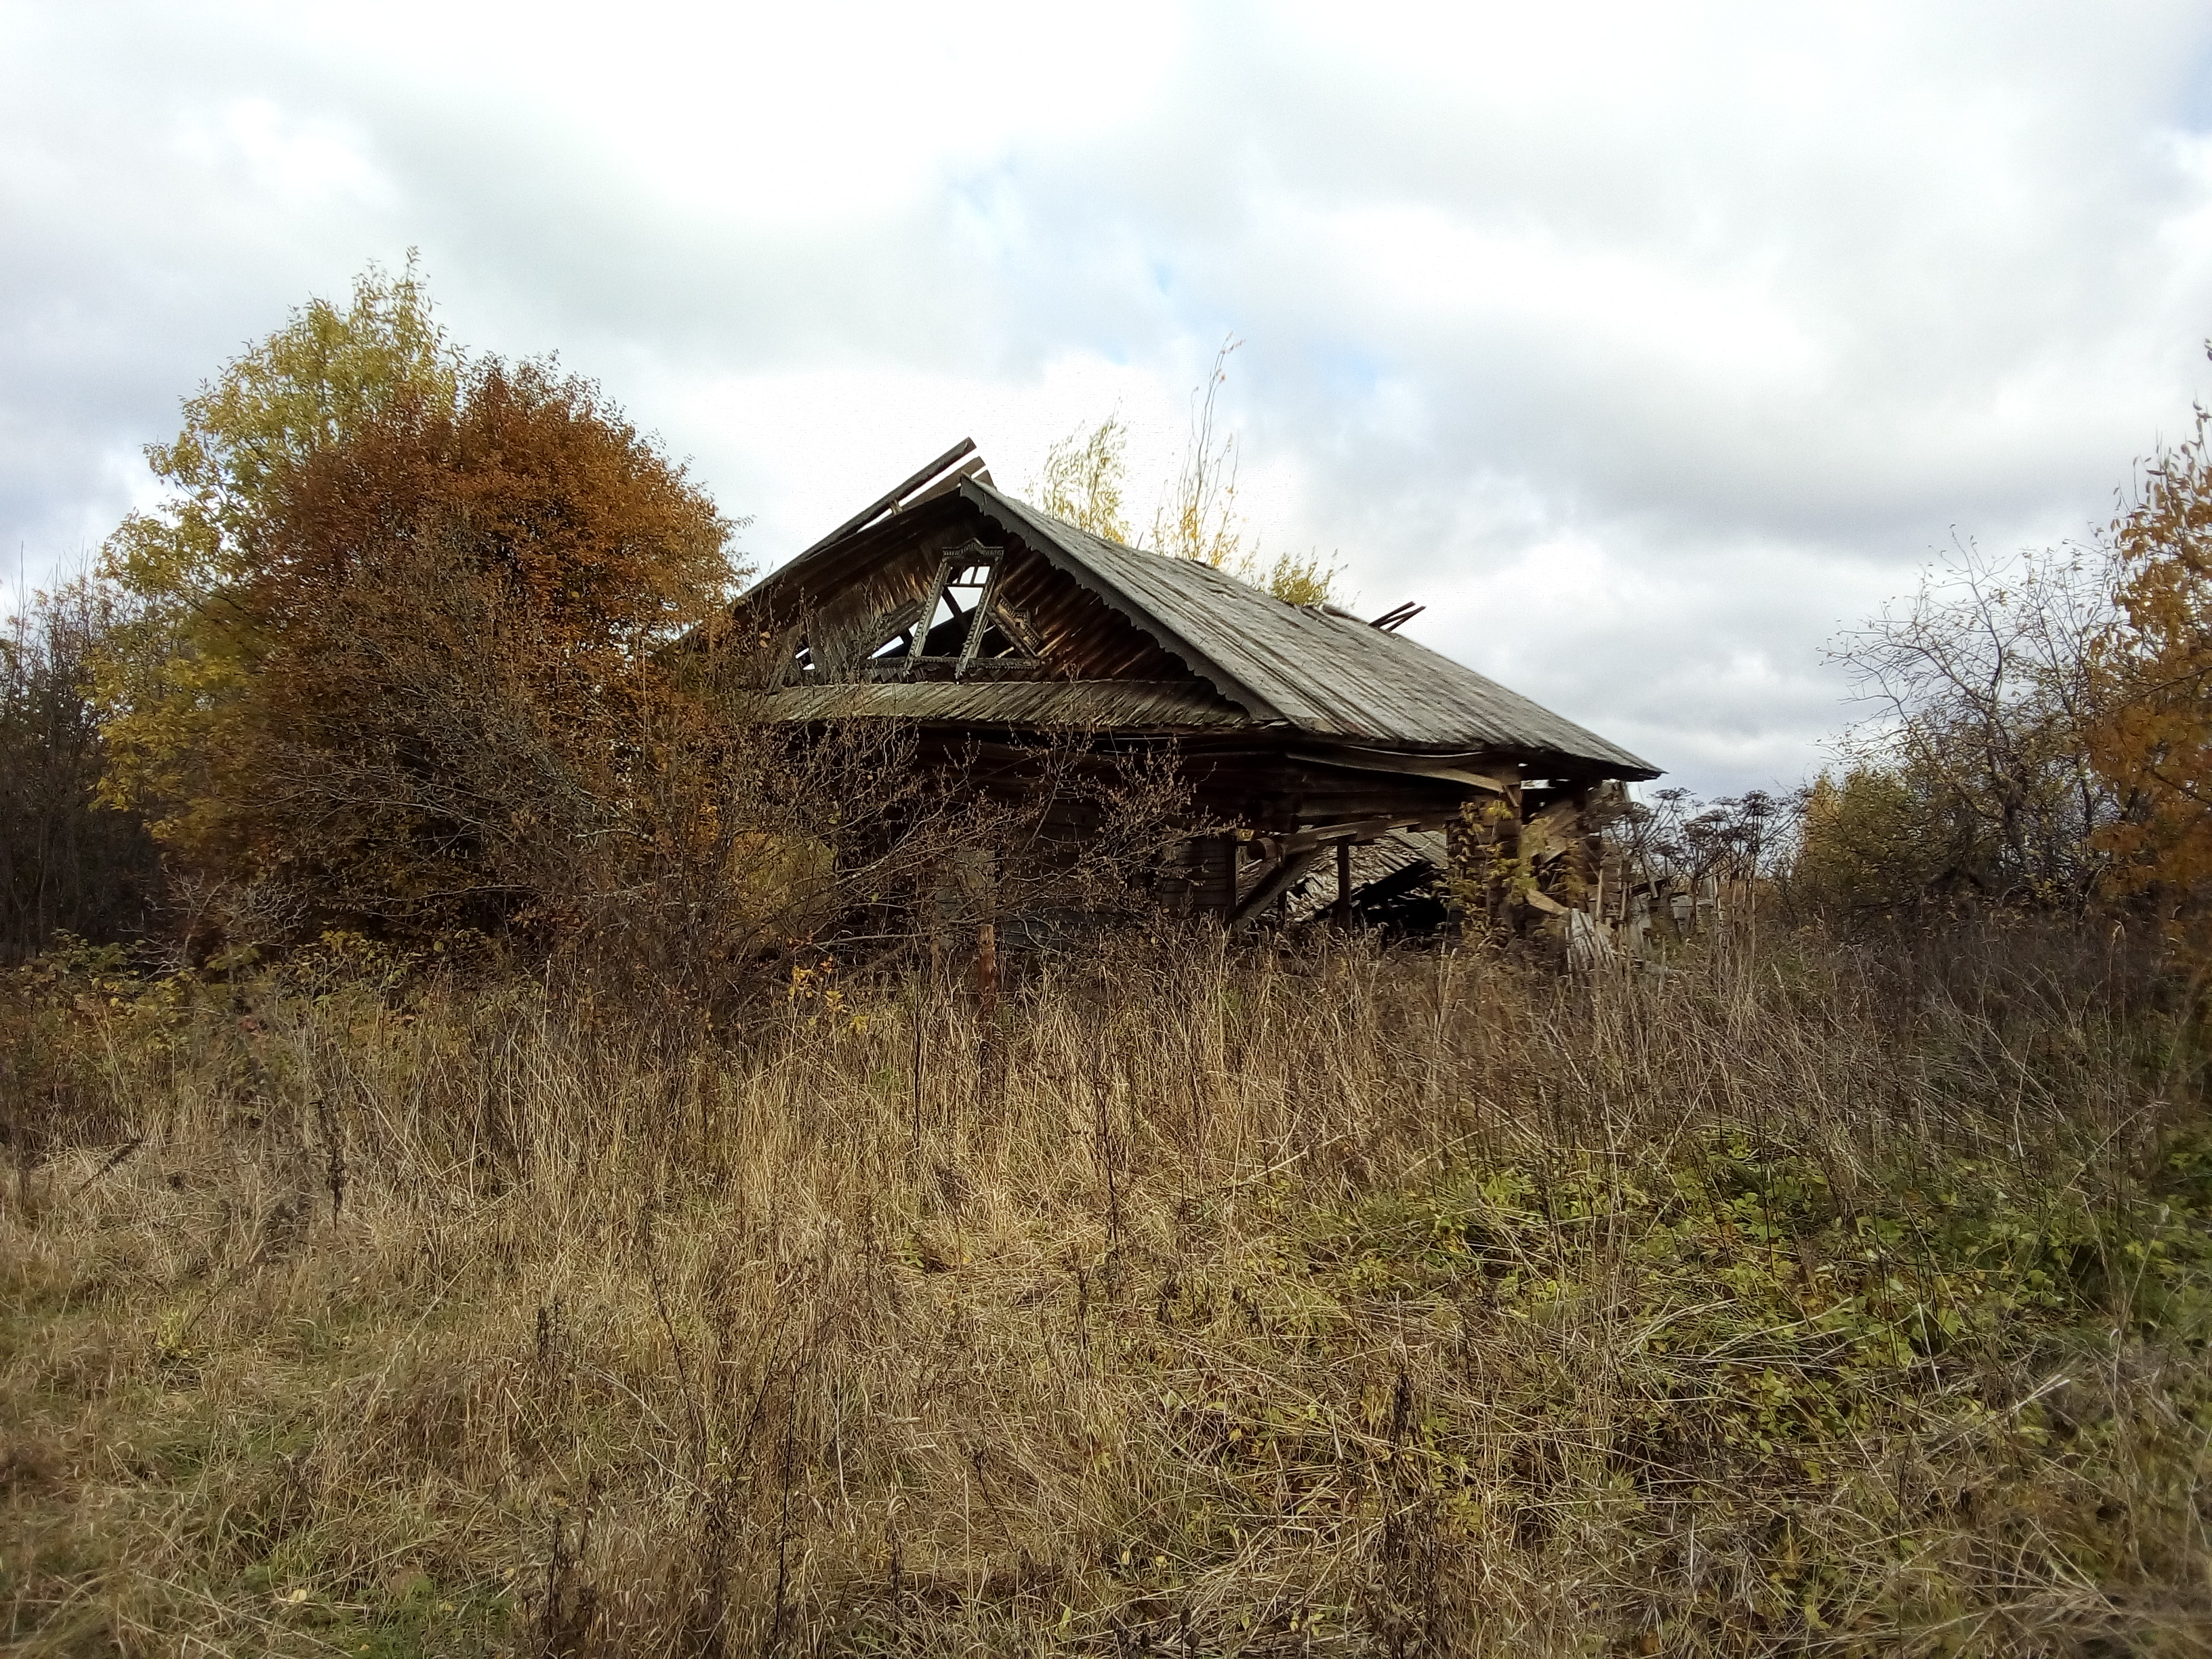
(1146, 706)
(1317, 670)
(1318, 667)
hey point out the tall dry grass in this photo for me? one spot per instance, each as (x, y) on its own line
(1803, 1298)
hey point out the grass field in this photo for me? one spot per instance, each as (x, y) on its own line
(1806, 1298)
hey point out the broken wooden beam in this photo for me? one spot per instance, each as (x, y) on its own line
(1322, 835)
(892, 498)
(1287, 870)
(971, 468)
(1415, 766)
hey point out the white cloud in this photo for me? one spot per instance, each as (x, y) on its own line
(1645, 344)
(296, 165)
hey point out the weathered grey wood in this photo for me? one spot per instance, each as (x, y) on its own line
(1303, 726)
(972, 468)
(1017, 627)
(1588, 946)
(1316, 667)
(1440, 767)
(1130, 705)
(1363, 829)
(842, 628)
(850, 649)
(1273, 887)
(928, 618)
(982, 619)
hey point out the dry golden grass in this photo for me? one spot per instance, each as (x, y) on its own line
(1794, 1300)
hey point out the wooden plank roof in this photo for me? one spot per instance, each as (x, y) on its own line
(1320, 668)
(1120, 705)
(1315, 669)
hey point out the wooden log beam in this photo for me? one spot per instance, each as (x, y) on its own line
(1272, 886)
(892, 498)
(972, 468)
(1415, 766)
(1323, 834)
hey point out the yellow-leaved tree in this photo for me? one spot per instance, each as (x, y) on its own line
(173, 673)
(1197, 518)
(393, 648)
(1082, 478)
(2153, 739)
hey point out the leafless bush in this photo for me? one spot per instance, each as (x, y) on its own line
(1972, 782)
(1678, 837)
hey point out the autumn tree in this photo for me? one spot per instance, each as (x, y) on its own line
(1869, 844)
(416, 649)
(1083, 476)
(2152, 743)
(394, 643)
(174, 675)
(1972, 782)
(1197, 518)
(456, 615)
(477, 706)
(1085, 473)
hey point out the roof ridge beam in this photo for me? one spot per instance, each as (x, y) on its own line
(875, 509)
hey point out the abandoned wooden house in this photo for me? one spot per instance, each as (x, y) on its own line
(1326, 753)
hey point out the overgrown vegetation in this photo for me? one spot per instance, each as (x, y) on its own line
(532, 1161)
(1976, 782)
(2042, 734)
(66, 864)
(398, 657)
(395, 650)
(1806, 1297)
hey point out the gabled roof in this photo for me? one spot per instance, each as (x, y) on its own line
(1316, 668)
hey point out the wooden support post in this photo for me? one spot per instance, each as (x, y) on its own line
(937, 586)
(982, 619)
(983, 891)
(986, 970)
(1344, 886)
(981, 872)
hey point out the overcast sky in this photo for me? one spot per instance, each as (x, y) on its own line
(1645, 344)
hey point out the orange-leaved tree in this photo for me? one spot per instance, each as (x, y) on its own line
(173, 669)
(2153, 739)
(396, 643)
(458, 618)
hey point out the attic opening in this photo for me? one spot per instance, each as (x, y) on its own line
(962, 616)
(964, 591)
